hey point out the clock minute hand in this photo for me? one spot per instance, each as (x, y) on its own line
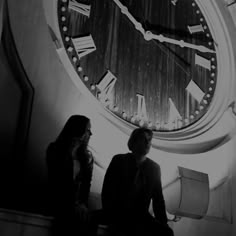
(149, 35)
(125, 11)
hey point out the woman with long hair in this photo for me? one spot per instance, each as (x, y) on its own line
(70, 167)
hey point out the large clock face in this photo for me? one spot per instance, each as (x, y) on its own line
(149, 62)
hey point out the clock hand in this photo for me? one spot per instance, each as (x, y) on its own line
(125, 11)
(149, 36)
(140, 28)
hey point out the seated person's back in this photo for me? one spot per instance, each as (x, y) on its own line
(132, 180)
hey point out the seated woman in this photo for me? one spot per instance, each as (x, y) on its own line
(70, 167)
(131, 181)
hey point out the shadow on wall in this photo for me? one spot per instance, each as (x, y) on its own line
(16, 98)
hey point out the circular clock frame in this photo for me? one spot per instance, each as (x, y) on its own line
(224, 90)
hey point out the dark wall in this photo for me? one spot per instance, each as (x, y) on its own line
(16, 96)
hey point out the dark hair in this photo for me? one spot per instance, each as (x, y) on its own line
(135, 135)
(74, 127)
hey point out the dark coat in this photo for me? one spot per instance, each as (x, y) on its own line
(128, 190)
(64, 191)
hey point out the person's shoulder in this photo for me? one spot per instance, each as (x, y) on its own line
(152, 164)
(50, 151)
(50, 147)
(53, 155)
(120, 156)
(152, 169)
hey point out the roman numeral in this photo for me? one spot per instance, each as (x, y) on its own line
(142, 111)
(195, 91)
(173, 112)
(201, 61)
(80, 7)
(105, 86)
(84, 45)
(195, 29)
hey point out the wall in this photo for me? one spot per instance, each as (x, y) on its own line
(233, 173)
(52, 102)
(10, 105)
(56, 98)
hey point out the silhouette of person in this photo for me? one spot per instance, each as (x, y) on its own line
(131, 181)
(70, 167)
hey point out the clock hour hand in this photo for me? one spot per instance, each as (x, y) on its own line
(125, 11)
(149, 36)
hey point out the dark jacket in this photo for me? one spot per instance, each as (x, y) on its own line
(64, 191)
(128, 190)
